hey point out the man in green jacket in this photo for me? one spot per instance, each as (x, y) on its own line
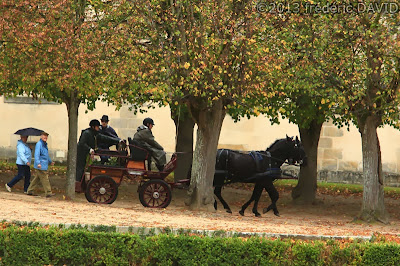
(87, 144)
(146, 140)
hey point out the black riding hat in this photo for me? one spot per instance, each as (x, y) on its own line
(148, 120)
(94, 123)
(104, 118)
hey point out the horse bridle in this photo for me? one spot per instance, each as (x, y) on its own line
(290, 161)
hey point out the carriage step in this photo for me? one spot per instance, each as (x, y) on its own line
(135, 172)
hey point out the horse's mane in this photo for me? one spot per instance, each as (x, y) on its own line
(273, 145)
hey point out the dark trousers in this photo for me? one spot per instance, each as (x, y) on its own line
(80, 165)
(23, 171)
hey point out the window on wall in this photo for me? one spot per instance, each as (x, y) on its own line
(26, 100)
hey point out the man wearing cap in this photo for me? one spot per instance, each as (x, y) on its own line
(105, 129)
(88, 142)
(146, 139)
(42, 161)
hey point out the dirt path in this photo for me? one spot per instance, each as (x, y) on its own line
(332, 216)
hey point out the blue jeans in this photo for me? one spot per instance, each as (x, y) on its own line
(23, 170)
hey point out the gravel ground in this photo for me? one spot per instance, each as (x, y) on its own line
(332, 216)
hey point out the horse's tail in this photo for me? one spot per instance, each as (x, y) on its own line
(221, 168)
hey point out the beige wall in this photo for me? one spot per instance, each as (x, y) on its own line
(339, 149)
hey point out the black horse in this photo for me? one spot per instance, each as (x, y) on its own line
(261, 168)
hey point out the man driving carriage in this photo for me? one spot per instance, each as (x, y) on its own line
(88, 143)
(145, 138)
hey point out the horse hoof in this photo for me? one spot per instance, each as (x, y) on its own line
(277, 214)
(265, 210)
(241, 213)
(257, 214)
(228, 211)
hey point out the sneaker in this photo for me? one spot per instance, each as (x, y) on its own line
(25, 192)
(50, 195)
(31, 194)
(8, 188)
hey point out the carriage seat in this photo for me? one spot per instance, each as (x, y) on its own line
(137, 153)
(110, 152)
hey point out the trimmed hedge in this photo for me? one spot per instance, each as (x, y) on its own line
(54, 246)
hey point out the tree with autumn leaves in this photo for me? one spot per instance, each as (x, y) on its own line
(213, 57)
(344, 67)
(55, 49)
(202, 54)
(303, 88)
(368, 71)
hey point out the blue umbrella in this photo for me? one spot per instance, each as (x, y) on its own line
(29, 131)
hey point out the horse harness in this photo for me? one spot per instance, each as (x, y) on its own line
(258, 158)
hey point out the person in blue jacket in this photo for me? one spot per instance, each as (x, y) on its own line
(24, 158)
(41, 165)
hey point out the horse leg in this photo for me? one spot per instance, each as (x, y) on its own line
(274, 195)
(217, 192)
(258, 188)
(265, 210)
(253, 197)
(246, 205)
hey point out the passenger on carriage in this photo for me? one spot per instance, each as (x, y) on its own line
(145, 138)
(88, 142)
(107, 130)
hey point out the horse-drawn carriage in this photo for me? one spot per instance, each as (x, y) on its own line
(100, 182)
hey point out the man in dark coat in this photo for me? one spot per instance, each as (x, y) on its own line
(105, 129)
(145, 138)
(88, 143)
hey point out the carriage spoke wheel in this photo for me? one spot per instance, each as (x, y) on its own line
(102, 189)
(155, 194)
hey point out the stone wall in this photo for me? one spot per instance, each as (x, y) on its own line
(340, 149)
(125, 125)
(349, 177)
(330, 156)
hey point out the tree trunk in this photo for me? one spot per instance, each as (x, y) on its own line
(209, 124)
(373, 206)
(184, 125)
(72, 108)
(305, 191)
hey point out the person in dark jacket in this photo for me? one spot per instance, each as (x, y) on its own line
(88, 144)
(145, 138)
(105, 129)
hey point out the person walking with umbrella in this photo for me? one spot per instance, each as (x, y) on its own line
(24, 158)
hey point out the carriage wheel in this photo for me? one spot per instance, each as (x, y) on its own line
(155, 194)
(102, 189)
